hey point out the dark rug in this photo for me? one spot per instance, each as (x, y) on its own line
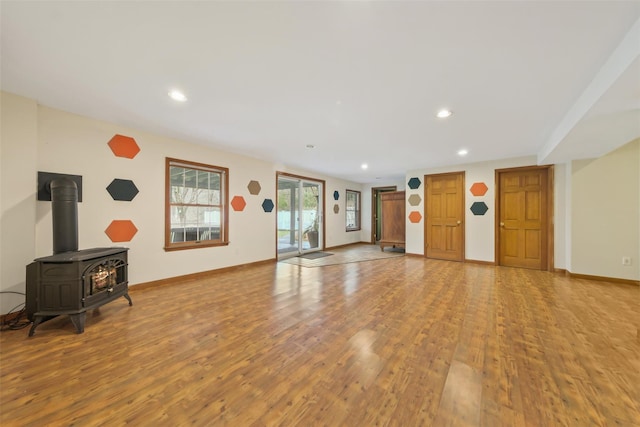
(314, 255)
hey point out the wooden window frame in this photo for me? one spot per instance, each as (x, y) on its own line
(224, 206)
(358, 211)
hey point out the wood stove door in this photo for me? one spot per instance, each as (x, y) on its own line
(103, 280)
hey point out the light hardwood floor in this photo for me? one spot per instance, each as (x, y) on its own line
(400, 342)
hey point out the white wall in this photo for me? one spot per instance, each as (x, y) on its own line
(560, 216)
(73, 144)
(568, 214)
(18, 157)
(606, 205)
(479, 229)
(37, 138)
(365, 232)
(561, 209)
(336, 224)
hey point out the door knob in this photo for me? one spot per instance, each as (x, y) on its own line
(459, 222)
(502, 224)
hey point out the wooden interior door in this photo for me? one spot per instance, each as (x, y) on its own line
(444, 222)
(523, 224)
(393, 219)
(376, 211)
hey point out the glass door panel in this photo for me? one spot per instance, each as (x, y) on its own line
(311, 216)
(299, 216)
(287, 216)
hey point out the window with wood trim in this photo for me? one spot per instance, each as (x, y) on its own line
(352, 210)
(197, 205)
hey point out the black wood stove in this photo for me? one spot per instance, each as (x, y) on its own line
(73, 281)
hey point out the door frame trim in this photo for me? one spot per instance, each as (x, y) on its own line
(374, 192)
(550, 213)
(463, 246)
(324, 204)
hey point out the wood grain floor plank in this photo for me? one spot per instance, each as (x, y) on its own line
(393, 342)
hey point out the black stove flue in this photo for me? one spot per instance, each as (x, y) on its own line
(64, 214)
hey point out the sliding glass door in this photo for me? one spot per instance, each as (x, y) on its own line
(299, 215)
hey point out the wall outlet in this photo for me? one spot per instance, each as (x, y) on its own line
(626, 260)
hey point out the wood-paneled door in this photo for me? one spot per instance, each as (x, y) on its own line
(376, 211)
(524, 208)
(444, 216)
(393, 219)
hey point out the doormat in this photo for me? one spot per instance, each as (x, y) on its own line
(314, 255)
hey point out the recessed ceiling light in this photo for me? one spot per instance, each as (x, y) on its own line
(443, 114)
(463, 152)
(364, 166)
(176, 95)
(310, 146)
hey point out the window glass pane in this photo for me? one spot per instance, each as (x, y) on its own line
(190, 216)
(177, 175)
(190, 176)
(352, 210)
(197, 204)
(351, 219)
(203, 179)
(179, 195)
(202, 196)
(178, 216)
(217, 181)
(210, 223)
(214, 180)
(177, 181)
(177, 234)
(209, 216)
(208, 188)
(351, 200)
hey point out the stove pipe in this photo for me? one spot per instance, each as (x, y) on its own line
(64, 210)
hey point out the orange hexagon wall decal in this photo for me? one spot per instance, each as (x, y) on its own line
(415, 216)
(238, 203)
(121, 230)
(124, 146)
(478, 189)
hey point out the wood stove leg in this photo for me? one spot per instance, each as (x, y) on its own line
(36, 322)
(128, 299)
(78, 321)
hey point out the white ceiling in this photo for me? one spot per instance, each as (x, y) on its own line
(361, 81)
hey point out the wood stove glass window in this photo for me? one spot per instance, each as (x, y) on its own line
(196, 205)
(105, 275)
